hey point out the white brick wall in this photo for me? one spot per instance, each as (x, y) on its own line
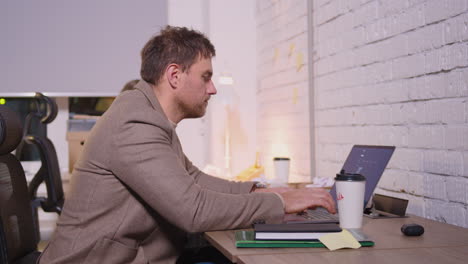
(392, 72)
(283, 83)
(396, 73)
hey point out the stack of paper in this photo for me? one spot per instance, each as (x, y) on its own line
(246, 239)
(294, 231)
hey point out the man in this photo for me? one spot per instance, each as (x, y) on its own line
(130, 85)
(134, 195)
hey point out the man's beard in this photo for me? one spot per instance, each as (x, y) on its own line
(196, 111)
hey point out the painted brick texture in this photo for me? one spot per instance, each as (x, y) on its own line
(396, 73)
(283, 85)
(386, 73)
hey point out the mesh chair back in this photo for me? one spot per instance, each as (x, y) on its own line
(18, 235)
(49, 172)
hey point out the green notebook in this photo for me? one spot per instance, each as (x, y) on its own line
(245, 239)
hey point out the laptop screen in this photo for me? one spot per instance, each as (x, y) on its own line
(369, 161)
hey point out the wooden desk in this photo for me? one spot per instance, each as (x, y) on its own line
(384, 232)
(384, 256)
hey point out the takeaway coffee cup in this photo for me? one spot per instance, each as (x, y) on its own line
(281, 171)
(350, 190)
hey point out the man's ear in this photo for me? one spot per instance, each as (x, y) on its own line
(173, 72)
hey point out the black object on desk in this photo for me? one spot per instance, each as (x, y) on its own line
(386, 207)
(412, 229)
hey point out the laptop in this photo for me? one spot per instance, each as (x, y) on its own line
(369, 161)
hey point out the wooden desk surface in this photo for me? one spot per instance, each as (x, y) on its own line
(457, 254)
(384, 232)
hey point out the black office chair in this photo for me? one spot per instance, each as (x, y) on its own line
(18, 241)
(49, 172)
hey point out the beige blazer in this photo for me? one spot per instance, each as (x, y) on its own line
(134, 195)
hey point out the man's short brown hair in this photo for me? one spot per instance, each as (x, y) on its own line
(178, 45)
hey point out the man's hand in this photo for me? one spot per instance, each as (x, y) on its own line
(298, 200)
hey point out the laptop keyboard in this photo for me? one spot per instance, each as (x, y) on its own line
(319, 214)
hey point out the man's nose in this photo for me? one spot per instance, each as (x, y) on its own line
(211, 88)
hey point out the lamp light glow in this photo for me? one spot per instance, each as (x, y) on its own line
(225, 80)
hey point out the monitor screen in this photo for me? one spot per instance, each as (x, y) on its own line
(94, 106)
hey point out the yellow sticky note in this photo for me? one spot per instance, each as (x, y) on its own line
(299, 61)
(338, 240)
(295, 95)
(276, 55)
(292, 47)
